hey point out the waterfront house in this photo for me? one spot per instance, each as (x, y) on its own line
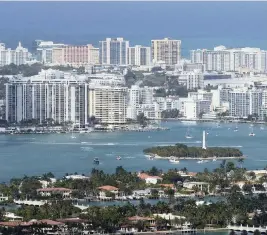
(149, 178)
(141, 193)
(106, 190)
(48, 192)
(131, 226)
(176, 221)
(201, 185)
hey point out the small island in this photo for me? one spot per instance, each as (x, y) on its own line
(182, 151)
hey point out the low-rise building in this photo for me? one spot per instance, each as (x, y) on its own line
(48, 192)
(201, 185)
(149, 178)
(104, 190)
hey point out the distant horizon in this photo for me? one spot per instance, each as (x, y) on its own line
(197, 24)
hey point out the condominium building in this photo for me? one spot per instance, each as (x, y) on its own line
(18, 56)
(139, 55)
(193, 108)
(51, 94)
(193, 79)
(75, 55)
(166, 50)
(44, 51)
(234, 59)
(244, 102)
(113, 51)
(108, 104)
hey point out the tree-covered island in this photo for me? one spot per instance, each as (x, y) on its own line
(182, 151)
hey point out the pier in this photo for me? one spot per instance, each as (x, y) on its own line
(248, 229)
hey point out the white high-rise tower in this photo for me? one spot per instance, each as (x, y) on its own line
(204, 140)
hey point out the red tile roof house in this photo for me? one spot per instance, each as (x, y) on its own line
(47, 192)
(50, 226)
(111, 189)
(150, 179)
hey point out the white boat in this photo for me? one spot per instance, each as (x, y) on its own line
(200, 161)
(187, 135)
(252, 133)
(118, 158)
(174, 160)
(214, 159)
(262, 128)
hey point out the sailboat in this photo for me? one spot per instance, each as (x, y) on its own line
(252, 133)
(187, 135)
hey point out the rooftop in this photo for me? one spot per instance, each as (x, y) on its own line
(108, 188)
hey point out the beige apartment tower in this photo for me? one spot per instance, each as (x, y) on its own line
(108, 104)
(166, 50)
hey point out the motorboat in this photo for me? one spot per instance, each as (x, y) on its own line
(174, 160)
(151, 157)
(214, 159)
(200, 161)
(96, 161)
(118, 158)
(262, 128)
(252, 133)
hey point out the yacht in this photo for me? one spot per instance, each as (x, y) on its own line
(174, 160)
(118, 158)
(96, 161)
(214, 159)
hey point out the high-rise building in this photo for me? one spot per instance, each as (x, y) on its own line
(50, 94)
(166, 50)
(108, 104)
(18, 56)
(113, 51)
(44, 51)
(139, 55)
(244, 102)
(75, 55)
(192, 80)
(234, 59)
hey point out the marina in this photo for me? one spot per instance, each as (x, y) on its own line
(62, 154)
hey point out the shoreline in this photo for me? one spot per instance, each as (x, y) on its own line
(195, 158)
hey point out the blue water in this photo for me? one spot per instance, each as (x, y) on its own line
(59, 153)
(197, 24)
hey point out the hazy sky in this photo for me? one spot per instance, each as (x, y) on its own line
(200, 23)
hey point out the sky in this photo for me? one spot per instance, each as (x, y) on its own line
(197, 24)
